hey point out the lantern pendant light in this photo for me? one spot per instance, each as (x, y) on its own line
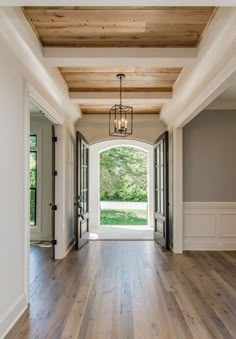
(121, 116)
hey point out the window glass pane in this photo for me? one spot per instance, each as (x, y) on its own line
(33, 187)
(85, 177)
(85, 202)
(162, 202)
(81, 177)
(84, 154)
(157, 176)
(33, 140)
(32, 207)
(33, 169)
(161, 177)
(162, 153)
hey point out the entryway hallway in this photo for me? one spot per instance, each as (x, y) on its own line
(131, 289)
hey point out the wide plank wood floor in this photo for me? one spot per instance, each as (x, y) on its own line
(130, 289)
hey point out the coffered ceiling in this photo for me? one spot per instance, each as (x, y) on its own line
(120, 28)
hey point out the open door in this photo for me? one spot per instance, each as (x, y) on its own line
(53, 200)
(82, 192)
(161, 226)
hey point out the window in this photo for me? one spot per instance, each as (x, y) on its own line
(33, 141)
(33, 179)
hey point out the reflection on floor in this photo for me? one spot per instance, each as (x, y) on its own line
(121, 233)
(39, 257)
(41, 243)
(130, 289)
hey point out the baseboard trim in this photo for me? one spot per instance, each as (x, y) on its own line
(69, 246)
(10, 317)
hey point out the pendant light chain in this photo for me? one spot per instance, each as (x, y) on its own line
(120, 91)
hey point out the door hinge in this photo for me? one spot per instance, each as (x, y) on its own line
(54, 207)
(54, 139)
(54, 173)
(54, 242)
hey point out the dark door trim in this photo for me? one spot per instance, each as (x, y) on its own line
(161, 170)
(81, 198)
(53, 200)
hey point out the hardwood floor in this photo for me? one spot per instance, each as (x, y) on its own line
(130, 289)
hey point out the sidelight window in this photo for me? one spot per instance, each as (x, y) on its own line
(33, 179)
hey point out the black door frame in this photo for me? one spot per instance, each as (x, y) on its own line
(53, 198)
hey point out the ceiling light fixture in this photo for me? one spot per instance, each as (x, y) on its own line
(121, 116)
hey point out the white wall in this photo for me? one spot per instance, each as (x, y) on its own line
(14, 185)
(42, 127)
(13, 289)
(94, 174)
(95, 127)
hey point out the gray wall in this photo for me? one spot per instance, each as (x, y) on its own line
(210, 157)
(42, 127)
(95, 127)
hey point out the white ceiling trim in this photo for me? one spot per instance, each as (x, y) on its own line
(132, 98)
(213, 71)
(119, 57)
(37, 99)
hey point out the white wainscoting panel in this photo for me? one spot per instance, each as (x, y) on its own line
(209, 226)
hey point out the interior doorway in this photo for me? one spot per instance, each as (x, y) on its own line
(42, 182)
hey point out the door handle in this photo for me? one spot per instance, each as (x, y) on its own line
(78, 205)
(82, 217)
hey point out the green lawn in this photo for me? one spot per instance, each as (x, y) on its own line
(123, 217)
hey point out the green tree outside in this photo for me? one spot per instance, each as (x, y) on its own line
(123, 174)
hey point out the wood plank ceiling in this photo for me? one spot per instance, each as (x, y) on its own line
(119, 27)
(92, 79)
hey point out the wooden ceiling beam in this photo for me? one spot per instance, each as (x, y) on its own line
(119, 57)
